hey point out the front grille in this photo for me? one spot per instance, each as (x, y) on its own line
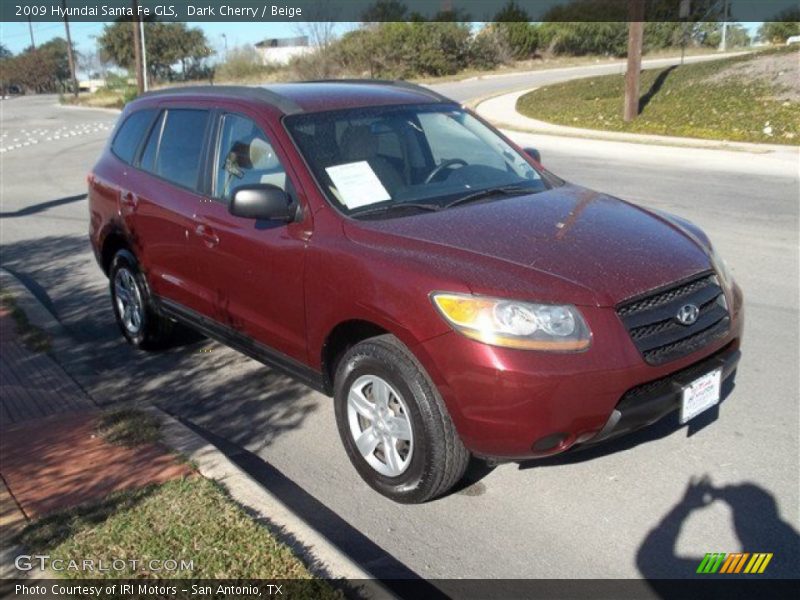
(678, 379)
(654, 328)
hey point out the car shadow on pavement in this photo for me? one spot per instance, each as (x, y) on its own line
(756, 521)
(198, 379)
(658, 430)
(352, 542)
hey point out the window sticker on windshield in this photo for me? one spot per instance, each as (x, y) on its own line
(358, 185)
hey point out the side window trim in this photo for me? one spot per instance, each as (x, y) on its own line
(219, 121)
(157, 122)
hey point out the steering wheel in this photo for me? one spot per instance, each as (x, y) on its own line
(446, 164)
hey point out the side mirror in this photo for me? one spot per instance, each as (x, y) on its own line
(534, 154)
(262, 201)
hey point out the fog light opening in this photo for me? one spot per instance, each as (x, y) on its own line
(550, 442)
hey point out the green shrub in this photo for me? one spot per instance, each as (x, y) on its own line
(242, 63)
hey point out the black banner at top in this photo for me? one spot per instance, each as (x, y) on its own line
(397, 10)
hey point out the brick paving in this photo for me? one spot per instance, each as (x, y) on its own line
(50, 457)
(58, 462)
(32, 385)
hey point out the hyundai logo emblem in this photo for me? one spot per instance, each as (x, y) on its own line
(687, 314)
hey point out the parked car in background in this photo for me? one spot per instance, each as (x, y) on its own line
(388, 247)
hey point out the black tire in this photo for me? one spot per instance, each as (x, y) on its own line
(154, 331)
(438, 459)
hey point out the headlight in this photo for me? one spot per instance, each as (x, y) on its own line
(722, 269)
(515, 324)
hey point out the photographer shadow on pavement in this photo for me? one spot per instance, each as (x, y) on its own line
(756, 521)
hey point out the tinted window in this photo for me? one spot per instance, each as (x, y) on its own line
(245, 156)
(178, 155)
(148, 160)
(131, 133)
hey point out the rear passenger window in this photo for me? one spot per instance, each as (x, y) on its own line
(130, 134)
(178, 155)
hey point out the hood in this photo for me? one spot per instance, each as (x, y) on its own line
(594, 241)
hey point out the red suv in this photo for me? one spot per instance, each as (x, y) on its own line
(389, 248)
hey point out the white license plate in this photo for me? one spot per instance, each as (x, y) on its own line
(701, 394)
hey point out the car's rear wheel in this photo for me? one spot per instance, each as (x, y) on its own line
(137, 318)
(393, 423)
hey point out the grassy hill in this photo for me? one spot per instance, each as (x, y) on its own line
(752, 98)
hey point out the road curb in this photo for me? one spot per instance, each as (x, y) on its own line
(513, 120)
(519, 122)
(321, 556)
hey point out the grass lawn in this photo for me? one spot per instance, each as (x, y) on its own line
(35, 339)
(754, 98)
(190, 519)
(102, 98)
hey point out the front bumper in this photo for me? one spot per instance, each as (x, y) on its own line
(645, 404)
(513, 404)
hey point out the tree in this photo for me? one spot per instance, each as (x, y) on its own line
(5, 52)
(384, 11)
(167, 45)
(512, 25)
(54, 53)
(45, 69)
(777, 32)
(710, 34)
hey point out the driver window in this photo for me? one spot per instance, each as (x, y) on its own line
(245, 156)
(449, 139)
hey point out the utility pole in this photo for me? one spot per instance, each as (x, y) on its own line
(144, 57)
(30, 28)
(137, 48)
(70, 54)
(684, 11)
(723, 46)
(635, 38)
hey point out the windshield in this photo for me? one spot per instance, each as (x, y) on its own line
(408, 157)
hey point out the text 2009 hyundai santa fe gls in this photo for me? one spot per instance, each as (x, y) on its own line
(389, 248)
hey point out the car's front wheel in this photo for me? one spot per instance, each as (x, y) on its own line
(393, 423)
(136, 316)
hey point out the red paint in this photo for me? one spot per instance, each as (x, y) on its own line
(289, 286)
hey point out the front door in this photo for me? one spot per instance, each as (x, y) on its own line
(255, 268)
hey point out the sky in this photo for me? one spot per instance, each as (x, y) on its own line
(16, 36)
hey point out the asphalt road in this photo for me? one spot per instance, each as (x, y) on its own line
(627, 509)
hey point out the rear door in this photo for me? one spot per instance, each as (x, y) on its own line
(164, 199)
(255, 267)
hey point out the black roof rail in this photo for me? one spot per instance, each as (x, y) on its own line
(390, 82)
(263, 94)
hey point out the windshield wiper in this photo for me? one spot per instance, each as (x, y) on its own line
(509, 190)
(396, 206)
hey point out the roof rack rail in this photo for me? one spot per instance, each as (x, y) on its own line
(234, 91)
(396, 83)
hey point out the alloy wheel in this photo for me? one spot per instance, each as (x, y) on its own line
(380, 425)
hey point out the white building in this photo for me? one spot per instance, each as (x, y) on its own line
(281, 50)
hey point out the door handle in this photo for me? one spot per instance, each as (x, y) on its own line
(210, 238)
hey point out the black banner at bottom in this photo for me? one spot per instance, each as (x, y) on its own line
(467, 589)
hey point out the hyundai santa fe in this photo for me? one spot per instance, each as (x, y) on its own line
(390, 249)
